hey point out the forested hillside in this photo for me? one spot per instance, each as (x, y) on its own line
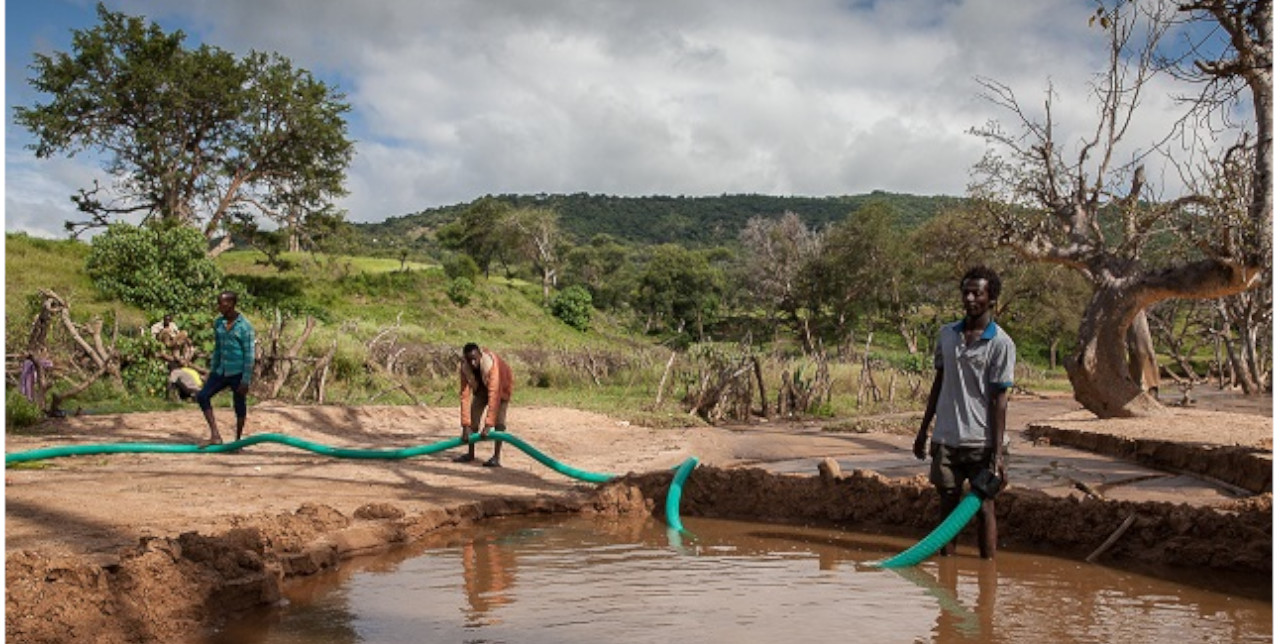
(699, 221)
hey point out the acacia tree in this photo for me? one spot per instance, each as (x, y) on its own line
(191, 136)
(679, 290)
(864, 271)
(1082, 207)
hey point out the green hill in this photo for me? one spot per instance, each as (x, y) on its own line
(697, 221)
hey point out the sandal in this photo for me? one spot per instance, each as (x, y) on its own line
(493, 462)
(464, 458)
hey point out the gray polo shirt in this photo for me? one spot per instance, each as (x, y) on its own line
(971, 376)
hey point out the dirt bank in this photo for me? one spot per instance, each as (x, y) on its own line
(150, 547)
(1220, 445)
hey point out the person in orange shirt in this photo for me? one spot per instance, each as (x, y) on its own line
(486, 392)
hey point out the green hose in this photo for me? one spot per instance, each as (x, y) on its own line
(673, 496)
(571, 472)
(945, 532)
(337, 452)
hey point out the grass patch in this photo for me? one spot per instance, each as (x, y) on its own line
(32, 264)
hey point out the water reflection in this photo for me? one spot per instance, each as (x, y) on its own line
(488, 574)
(586, 579)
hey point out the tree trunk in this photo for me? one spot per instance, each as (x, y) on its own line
(1240, 335)
(908, 334)
(1099, 370)
(548, 277)
(1143, 368)
(221, 247)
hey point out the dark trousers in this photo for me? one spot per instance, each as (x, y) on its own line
(217, 382)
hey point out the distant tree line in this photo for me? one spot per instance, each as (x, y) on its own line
(689, 221)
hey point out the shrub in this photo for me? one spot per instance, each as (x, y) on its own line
(573, 307)
(20, 412)
(160, 268)
(461, 266)
(460, 290)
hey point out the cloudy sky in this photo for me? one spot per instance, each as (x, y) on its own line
(455, 99)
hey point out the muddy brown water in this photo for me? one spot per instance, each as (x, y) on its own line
(590, 579)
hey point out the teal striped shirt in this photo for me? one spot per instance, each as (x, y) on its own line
(233, 348)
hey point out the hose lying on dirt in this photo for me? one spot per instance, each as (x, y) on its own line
(337, 452)
(673, 496)
(946, 531)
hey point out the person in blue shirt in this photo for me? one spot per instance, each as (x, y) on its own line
(974, 361)
(231, 366)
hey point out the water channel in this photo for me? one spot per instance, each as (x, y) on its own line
(592, 579)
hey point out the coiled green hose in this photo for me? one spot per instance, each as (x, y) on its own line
(325, 450)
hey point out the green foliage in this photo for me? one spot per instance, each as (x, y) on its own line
(359, 299)
(606, 267)
(858, 273)
(477, 231)
(573, 307)
(382, 285)
(157, 268)
(20, 412)
(460, 291)
(461, 266)
(654, 220)
(284, 293)
(912, 362)
(146, 378)
(680, 289)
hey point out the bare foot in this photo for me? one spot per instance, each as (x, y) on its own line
(217, 440)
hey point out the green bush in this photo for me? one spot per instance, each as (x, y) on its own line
(460, 291)
(461, 266)
(573, 307)
(20, 412)
(157, 268)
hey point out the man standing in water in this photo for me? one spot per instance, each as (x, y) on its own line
(486, 392)
(974, 360)
(230, 366)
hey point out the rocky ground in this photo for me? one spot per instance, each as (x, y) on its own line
(154, 547)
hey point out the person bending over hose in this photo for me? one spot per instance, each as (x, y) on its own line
(486, 392)
(230, 366)
(974, 360)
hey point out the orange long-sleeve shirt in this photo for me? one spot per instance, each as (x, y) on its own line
(497, 382)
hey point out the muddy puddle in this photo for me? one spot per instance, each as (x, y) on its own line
(589, 579)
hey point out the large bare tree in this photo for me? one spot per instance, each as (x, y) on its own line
(1075, 200)
(776, 251)
(535, 235)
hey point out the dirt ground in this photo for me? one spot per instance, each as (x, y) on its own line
(150, 547)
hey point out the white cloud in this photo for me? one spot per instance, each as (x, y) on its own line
(37, 196)
(454, 99)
